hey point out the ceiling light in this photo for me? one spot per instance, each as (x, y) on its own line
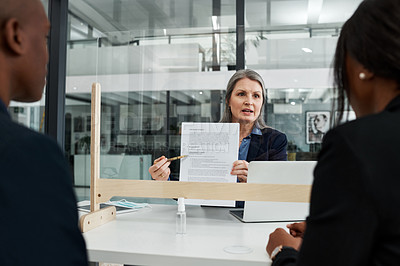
(306, 50)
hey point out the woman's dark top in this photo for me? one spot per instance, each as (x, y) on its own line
(354, 212)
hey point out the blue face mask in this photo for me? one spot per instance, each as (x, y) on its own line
(128, 204)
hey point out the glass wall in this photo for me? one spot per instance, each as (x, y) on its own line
(163, 62)
(293, 43)
(159, 63)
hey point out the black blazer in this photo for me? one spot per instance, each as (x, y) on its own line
(270, 146)
(38, 215)
(354, 213)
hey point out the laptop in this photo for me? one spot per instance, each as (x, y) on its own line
(277, 172)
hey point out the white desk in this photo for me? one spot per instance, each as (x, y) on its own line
(149, 238)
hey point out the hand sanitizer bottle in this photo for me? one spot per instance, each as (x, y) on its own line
(181, 217)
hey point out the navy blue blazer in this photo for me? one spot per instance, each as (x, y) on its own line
(270, 146)
(38, 214)
(354, 212)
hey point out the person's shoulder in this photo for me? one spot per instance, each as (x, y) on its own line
(21, 138)
(368, 126)
(367, 134)
(273, 138)
(272, 131)
(344, 132)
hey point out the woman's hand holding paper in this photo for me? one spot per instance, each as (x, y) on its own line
(240, 168)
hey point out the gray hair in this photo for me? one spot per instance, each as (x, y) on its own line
(240, 74)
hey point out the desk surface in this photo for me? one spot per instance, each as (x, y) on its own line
(148, 237)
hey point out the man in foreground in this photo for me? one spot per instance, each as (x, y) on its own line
(38, 215)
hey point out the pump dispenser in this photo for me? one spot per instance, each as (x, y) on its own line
(181, 217)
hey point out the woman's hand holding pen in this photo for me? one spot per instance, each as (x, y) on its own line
(160, 169)
(240, 169)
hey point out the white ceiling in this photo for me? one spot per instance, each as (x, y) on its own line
(298, 12)
(152, 16)
(183, 17)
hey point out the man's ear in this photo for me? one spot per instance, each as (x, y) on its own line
(13, 36)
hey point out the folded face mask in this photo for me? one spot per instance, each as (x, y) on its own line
(128, 204)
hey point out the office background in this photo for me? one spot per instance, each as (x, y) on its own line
(163, 62)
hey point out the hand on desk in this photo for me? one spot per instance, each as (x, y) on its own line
(160, 169)
(240, 168)
(281, 237)
(297, 229)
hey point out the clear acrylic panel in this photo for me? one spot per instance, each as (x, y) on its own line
(148, 90)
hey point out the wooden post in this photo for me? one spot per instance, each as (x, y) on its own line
(95, 146)
(97, 216)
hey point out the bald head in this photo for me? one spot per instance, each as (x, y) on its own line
(16, 9)
(8, 9)
(23, 50)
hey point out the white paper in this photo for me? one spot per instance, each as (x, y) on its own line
(211, 148)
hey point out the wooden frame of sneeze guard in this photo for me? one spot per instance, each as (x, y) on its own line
(101, 190)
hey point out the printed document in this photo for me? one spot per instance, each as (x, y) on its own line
(211, 148)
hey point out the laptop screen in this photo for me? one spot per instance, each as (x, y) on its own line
(277, 172)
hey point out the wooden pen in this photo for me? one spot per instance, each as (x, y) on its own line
(176, 158)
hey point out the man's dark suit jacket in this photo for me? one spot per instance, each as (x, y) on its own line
(38, 215)
(355, 202)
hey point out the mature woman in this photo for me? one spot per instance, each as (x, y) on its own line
(354, 214)
(244, 103)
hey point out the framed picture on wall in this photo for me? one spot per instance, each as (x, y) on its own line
(317, 124)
